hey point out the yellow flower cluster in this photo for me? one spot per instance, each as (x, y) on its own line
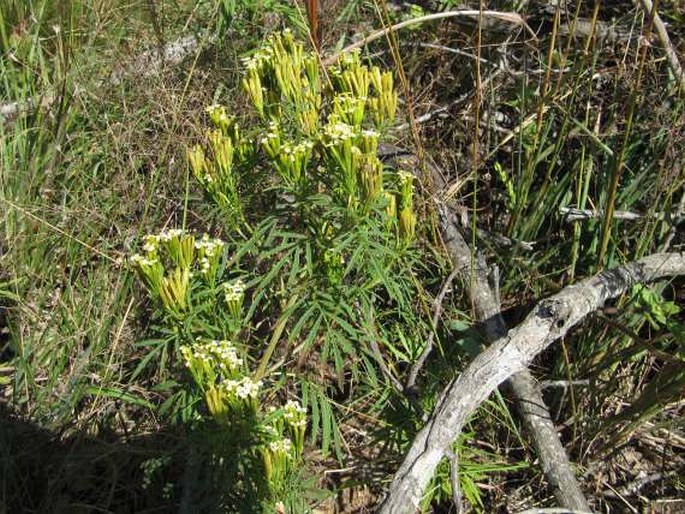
(407, 216)
(319, 133)
(217, 369)
(370, 85)
(233, 397)
(282, 74)
(169, 261)
(285, 435)
(234, 294)
(283, 82)
(213, 163)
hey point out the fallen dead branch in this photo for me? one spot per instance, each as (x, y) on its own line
(12, 110)
(564, 384)
(484, 294)
(152, 62)
(572, 214)
(633, 488)
(513, 18)
(551, 319)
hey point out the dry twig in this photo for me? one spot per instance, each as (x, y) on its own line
(513, 18)
(418, 365)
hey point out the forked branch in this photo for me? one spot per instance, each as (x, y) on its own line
(484, 294)
(551, 319)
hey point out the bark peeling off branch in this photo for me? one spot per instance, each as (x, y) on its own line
(549, 320)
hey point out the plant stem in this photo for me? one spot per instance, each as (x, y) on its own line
(275, 337)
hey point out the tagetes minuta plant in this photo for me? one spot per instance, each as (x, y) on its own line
(319, 133)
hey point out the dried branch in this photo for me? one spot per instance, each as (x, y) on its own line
(633, 488)
(418, 365)
(512, 18)
(550, 319)
(454, 480)
(554, 461)
(484, 293)
(680, 215)
(12, 110)
(152, 62)
(564, 384)
(574, 214)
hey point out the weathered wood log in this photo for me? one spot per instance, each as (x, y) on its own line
(551, 319)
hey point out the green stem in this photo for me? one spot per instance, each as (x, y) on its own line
(619, 161)
(275, 337)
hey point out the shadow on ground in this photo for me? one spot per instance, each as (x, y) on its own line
(41, 472)
(44, 473)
